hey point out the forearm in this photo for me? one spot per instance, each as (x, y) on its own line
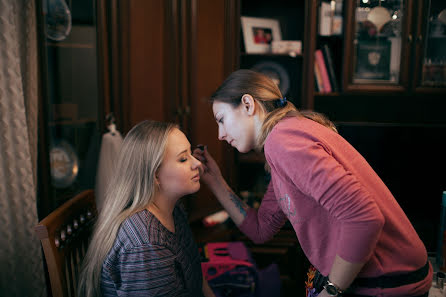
(342, 274)
(235, 207)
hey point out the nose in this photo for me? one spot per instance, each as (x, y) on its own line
(195, 163)
(221, 133)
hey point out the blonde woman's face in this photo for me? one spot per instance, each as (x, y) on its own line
(178, 174)
(235, 126)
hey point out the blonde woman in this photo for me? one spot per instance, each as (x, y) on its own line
(348, 223)
(142, 244)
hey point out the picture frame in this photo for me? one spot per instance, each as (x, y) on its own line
(258, 34)
(373, 60)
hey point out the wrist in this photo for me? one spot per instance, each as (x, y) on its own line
(332, 289)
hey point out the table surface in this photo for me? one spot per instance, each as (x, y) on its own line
(435, 292)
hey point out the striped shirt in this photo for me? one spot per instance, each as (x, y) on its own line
(149, 260)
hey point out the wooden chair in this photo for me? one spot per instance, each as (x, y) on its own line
(65, 235)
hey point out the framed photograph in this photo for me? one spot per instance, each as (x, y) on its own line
(259, 33)
(373, 60)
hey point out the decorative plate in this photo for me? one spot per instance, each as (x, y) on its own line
(58, 20)
(442, 16)
(64, 164)
(276, 72)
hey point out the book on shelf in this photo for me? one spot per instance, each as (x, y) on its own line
(323, 72)
(318, 78)
(330, 67)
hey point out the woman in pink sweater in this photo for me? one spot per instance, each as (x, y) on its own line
(349, 225)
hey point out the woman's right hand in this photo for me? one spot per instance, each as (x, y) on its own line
(209, 172)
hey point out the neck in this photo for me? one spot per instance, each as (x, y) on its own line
(162, 208)
(163, 204)
(258, 123)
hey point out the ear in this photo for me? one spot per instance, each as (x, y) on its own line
(248, 104)
(157, 180)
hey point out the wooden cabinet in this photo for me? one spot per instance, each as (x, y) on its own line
(72, 103)
(378, 45)
(430, 50)
(168, 57)
(394, 46)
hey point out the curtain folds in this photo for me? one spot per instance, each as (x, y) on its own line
(21, 260)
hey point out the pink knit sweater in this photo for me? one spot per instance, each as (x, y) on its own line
(337, 204)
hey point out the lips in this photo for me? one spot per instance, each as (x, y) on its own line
(196, 177)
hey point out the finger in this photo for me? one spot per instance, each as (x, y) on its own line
(202, 169)
(199, 157)
(197, 151)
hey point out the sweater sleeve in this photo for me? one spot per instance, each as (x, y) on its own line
(261, 225)
(316, 173)
(148, 270)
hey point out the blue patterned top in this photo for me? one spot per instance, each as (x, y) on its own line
(149, 260)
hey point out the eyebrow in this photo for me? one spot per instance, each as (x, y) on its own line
(185, 151)
(182, 152)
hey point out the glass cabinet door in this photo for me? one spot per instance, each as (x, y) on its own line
(433, 52)
(71, 97)
(376, 52)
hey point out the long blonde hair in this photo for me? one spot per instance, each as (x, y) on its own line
(267, 94)
(130, 190)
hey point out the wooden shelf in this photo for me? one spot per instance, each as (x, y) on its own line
(272, 55)
(331, 94)
(71, 45)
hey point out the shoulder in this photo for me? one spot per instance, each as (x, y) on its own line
(296, 135)
(141, 229)
(140, 233)
(288, 130)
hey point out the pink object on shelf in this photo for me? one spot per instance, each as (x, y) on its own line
(323, 71)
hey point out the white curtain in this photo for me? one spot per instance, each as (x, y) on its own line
(21, 264)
